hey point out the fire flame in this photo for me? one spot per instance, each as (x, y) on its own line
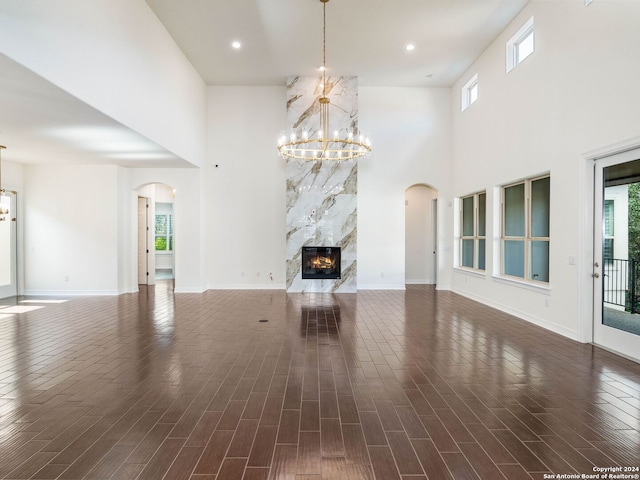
(323, 262)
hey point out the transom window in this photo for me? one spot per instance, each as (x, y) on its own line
(521, 45)
(525, 229)
(469, 92)
(473, 215)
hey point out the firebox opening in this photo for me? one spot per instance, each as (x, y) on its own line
(321, 263)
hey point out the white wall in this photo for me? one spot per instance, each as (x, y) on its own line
(188, 210)
(576, 93)
(116, 56)
(125, 231)
(410, 131)
(13, 179)
(12, 175)
(71, 230)
(245, 194)
(80, 224)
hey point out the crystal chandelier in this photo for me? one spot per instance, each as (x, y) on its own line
(4, 205)
(324, 146)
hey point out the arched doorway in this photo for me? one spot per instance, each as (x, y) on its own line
(421, 234)
(155, 233)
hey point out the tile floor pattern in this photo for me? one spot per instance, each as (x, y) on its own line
(375, 385)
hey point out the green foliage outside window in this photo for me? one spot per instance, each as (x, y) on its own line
(634, 221)
(161, 244)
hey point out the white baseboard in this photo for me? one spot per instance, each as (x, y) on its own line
(70, 293)
(188, 290)
(523, 315)
(377, 286)
(246, 286)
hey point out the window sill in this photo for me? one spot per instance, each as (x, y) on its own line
(471, 272)
(163, 252)
(534, 287)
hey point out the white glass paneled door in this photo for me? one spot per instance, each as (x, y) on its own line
(8, 252)
(616, 263)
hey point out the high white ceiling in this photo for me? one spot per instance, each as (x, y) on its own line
(366, 38)
(40, 123)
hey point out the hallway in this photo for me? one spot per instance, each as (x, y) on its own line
(379, 384)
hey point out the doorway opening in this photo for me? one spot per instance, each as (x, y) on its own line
(421, 235)
(156, 234)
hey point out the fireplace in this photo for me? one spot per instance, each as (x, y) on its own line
(321, 263)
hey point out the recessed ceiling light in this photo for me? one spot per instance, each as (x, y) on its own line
(410, 47)
(321, 68)
(236, 44)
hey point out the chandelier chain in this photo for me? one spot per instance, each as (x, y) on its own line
(324, 49)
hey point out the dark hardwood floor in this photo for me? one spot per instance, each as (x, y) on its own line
(376, 385)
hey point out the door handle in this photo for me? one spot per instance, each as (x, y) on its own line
(596, 275)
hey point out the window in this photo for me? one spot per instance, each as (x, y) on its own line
(164, 233)
(470, 92)
(608, 231)
(473, 215)
(521, 45)
(525, 229)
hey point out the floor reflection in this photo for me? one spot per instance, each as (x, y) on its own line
(373, 385)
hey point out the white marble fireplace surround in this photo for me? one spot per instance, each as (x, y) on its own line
(321, 194)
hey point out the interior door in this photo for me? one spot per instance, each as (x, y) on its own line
(434, 240)
(616, 263)
(8, 245)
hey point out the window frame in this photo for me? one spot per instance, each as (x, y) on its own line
(513, 58)
(527, 238)
(475, 237)
(467, 98)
